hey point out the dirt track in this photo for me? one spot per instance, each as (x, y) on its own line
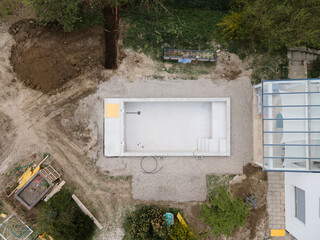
(33, 126)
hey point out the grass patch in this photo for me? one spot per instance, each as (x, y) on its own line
(216, 181)
(186, 28)
(7, 7)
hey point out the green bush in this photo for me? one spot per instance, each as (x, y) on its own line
(61, 218)
(224, 213)
(181, 232)
(146, 222)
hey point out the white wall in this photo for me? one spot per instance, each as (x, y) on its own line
(310, 183)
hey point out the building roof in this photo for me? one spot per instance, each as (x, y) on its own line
(291, 124)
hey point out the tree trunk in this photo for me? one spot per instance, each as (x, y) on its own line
(111, 37)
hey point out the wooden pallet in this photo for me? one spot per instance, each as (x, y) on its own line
(199, 55)
(50, 173)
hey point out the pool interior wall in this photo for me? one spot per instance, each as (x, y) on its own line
(167, 127)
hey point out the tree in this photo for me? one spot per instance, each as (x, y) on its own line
(61, 218)
(274, 25)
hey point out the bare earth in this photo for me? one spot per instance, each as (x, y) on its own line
(67, 123)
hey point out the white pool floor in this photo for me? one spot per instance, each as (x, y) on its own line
(166, 126)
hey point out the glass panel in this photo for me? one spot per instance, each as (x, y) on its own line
(294, 86)
(300, 204)
(294, 99)
(285, 164)
(286, 151)
(290, 125)
(281, 137)
(315, 111)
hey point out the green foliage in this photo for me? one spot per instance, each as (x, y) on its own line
(269, 66)
(70, 14)
(224, 213)
(217, 5)
(146, 222)
(274, 25)
(181, 232)
(7, 6)
(65, 12)
(315, 69)
(61, 218)
(188, 28)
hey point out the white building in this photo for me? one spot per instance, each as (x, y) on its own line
(291, 143)
(302, 193)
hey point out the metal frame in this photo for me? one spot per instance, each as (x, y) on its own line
(11, 230)
(267, 110)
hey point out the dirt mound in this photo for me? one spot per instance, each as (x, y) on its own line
(252, 187)
(45, 57)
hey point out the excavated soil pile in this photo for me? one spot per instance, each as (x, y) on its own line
(253, 187)
(45, 57)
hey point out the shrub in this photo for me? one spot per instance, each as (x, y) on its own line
(224, 213)
(181, 232)
(274, 25)
(146, 222)
(61, 218)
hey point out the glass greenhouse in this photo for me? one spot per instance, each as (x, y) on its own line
(291, 124)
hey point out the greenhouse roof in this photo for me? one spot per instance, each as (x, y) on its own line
(291, 124)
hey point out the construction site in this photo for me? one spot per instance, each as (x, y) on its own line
(120, 136)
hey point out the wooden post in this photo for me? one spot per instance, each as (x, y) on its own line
(86, 211)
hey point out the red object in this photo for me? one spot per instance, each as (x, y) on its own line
(39, 178)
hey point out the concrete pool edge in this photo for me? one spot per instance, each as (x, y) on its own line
(115, 127)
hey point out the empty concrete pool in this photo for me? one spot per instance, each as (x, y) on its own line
(167, 127)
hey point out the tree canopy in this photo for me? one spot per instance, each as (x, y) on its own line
(61, 218)
(273, 25)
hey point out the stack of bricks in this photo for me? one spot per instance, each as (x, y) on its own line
(276, 200)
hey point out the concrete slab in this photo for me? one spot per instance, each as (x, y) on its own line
(169, 187)
(178, 170)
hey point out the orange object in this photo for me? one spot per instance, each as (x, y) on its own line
(112, 110)
(278, 233)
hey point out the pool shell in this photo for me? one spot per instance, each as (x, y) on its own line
(166, 127)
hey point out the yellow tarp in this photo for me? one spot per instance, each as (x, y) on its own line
(27, 175)
(278, 233)
(181, 220)
(112, 110)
